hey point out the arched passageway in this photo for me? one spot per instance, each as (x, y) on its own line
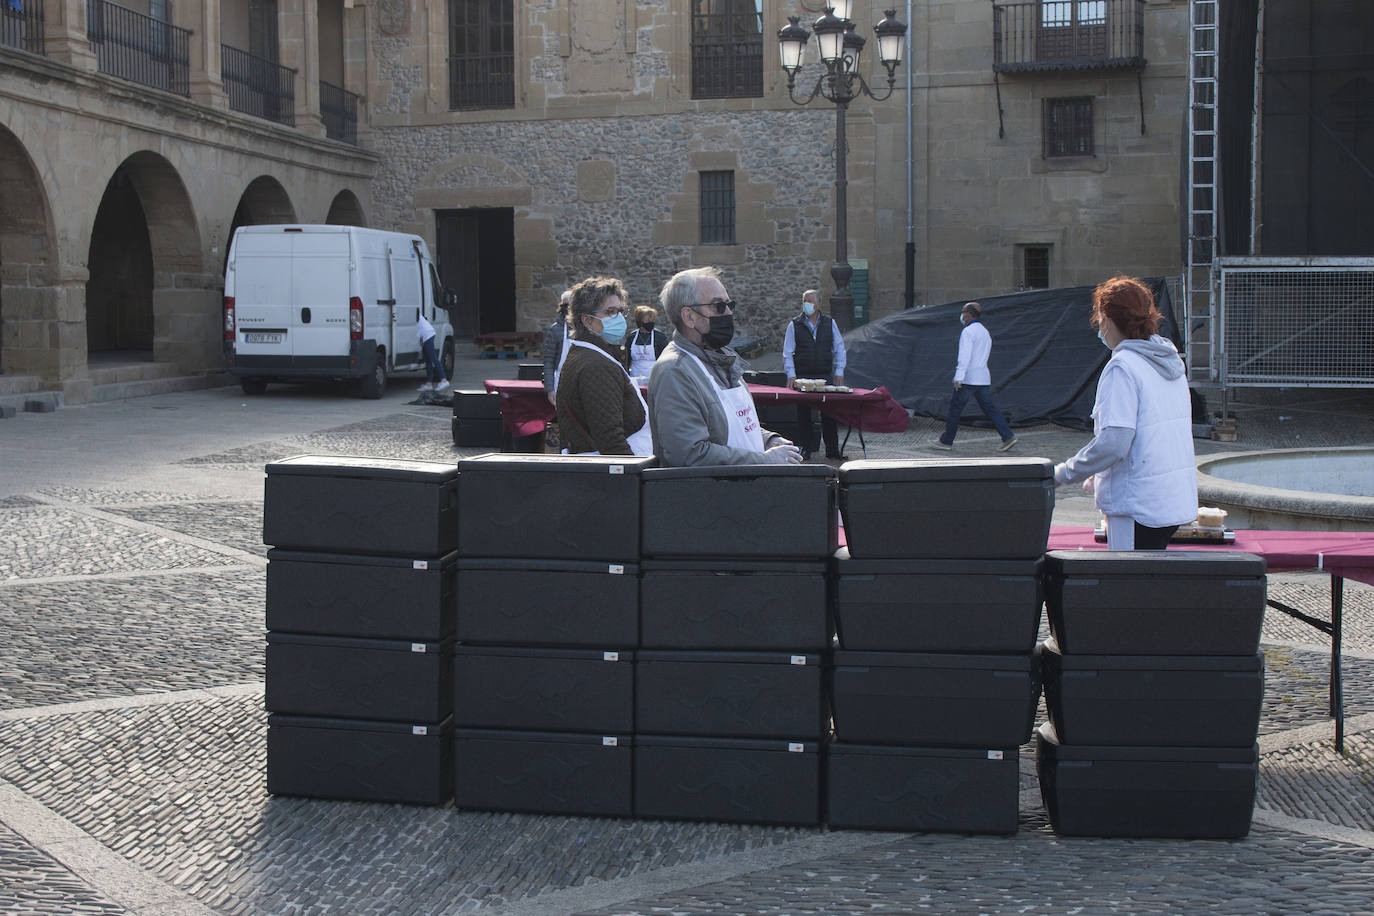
(264, 202)
(345, 210)
(27, 254)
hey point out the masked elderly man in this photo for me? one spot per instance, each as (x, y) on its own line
(700, 409)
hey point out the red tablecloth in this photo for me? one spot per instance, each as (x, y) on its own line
(525, 409)
(1348, 554)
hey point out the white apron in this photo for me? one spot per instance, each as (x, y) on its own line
(641, 358)
(641, 441)
(562, 358)
(740, 416)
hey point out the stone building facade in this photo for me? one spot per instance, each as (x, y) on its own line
(589, 160)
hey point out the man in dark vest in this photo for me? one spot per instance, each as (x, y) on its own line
(813, 348)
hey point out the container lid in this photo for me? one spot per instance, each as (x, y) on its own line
(845, 565)
(585, 567)
(419, 647)
(1052, 656)
(418, 729)
(1092, 563)
(947, 661)
(875, 470)
(736, 567)
(284, 555)
(742, 471)
(780, 745)
(562, 464)
(601, 655)
(1093, 752)
(800, 659)
(371, 468)
(843, 749)
(524, 737)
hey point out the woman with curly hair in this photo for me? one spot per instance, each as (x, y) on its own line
(1139, 463)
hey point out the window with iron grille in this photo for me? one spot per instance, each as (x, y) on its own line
(727, 49)
(1068, 127)
(717, 208)
(1035, 267)
(481, 48)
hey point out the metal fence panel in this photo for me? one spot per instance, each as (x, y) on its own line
(1287, 322)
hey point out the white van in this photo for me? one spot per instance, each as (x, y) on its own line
(330, 302)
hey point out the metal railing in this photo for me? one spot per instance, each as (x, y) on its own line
(1296, 322)
(339, 111)
(139, 48)
(1068, 34)
(481, 81)
(258, 86)
(21, 25)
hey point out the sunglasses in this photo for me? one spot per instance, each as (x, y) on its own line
(717, 307)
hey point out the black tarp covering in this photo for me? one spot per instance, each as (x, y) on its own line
(1045, 355)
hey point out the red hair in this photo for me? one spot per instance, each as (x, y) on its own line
(1129, 304)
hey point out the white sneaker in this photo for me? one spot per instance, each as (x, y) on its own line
(443, 386)
(425, 387)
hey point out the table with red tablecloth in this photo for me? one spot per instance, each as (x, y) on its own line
(525, 407)
(1341, 554)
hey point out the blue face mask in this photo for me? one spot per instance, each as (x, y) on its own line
(808, 308)
(1102, 337)
(613, 329)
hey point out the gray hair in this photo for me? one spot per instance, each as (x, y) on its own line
(681, 291)
(973, 309)
(813, 294)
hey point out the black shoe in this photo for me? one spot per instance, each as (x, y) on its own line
(836, 456)
(806, 454)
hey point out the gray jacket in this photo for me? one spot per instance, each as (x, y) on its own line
(685, 415)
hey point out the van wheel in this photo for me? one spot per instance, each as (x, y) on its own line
(253, 385)
(374, 385)
(446, 360)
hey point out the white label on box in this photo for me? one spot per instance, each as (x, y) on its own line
(994, 755)
(799, 659)
(794, 747)
(616, 569)
(417, 647)
(420, 564)
(610, 741)
(616, 469)
(610, 656)
(419, 730)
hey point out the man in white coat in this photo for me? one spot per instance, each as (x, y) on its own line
(972, 379)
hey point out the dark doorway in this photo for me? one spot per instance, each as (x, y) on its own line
(119, 293)
(476, 255)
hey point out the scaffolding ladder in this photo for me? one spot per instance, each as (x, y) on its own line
(1202, 341)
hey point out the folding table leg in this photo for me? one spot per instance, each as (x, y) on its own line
(1337, 697)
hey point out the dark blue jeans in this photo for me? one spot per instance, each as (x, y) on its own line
(959, 398)
(434, 371)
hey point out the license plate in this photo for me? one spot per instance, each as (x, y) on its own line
(250, 337)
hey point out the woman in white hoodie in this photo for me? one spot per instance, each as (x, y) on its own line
(1140, 459)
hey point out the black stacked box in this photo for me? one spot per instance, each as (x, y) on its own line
(1153, 684)
(937, 602)
(477, 419)
(548, 624)
(361, 610)
(730, 701)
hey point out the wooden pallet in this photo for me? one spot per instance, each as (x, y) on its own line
(501, 354)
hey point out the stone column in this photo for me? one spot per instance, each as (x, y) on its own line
(299, 28)
(64, 33)
(207, 83)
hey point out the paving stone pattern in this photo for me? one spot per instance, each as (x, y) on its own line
(129, 611)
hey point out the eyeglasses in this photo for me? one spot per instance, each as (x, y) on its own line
(717, 307)
(609, 311)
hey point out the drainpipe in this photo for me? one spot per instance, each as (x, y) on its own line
(910, 292)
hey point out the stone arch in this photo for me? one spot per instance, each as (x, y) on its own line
(27, 265)
(145, 244)
(264, 202)
(345, 210)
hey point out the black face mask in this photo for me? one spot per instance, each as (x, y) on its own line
(721, 333)
(648, 325)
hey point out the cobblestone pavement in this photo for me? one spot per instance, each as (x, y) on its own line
(132, 730)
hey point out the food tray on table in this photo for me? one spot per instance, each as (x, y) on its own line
(1186, 534)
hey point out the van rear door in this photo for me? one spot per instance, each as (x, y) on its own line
(262, 296)
(319, 287)
(407, 289)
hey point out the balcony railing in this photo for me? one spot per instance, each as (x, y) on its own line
(139, 48)
(258, 86)
(339, 111)
(21, 25)
(1068, 35)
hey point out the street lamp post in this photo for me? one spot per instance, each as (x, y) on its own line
(841, 83)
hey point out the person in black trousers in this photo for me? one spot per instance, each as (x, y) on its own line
(813, 348)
